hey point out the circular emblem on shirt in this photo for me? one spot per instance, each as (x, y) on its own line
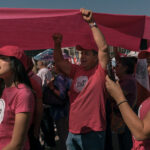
(2, 110)
(80, 83)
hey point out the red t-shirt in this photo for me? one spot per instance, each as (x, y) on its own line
(87, 102)
(36, 83)
(14, 100)
(143, 110)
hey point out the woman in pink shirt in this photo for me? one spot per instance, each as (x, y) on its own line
(16, 100)
(138, 125)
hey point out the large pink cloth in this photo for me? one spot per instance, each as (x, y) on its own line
(32, 28)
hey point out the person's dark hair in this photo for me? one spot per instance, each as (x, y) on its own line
(20, 74)
(130, 63)
(2, 86)
(29, 64)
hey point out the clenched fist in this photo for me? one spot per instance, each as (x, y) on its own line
(87, 15)
(57, 37)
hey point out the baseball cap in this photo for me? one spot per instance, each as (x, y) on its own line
(144, 54)
(80, 48)
(15, 51)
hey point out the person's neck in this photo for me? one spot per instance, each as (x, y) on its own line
(9, 84)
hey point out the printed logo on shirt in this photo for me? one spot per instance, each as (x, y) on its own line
(80, 83)
(2, 110)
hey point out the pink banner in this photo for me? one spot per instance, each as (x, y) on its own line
(146, 34)
(33, 28)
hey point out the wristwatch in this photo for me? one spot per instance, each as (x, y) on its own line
(93, 24)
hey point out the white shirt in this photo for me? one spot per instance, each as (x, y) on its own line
(45, 75)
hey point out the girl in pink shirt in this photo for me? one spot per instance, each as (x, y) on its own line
(16, 100)
(138, 125)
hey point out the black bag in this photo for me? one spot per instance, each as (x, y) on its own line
(49, 98)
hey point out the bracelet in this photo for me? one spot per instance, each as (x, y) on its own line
(121, 102)
(93, 25)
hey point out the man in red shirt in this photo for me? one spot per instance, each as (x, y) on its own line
(87, 116)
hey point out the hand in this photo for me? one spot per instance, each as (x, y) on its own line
(87, 15)
(114, 90)
(51, 85)
(57, 37)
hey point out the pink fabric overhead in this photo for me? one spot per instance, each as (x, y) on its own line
(148, 43)
(32, 28)
(147, 28)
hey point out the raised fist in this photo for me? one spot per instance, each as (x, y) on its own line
(57, 37)
(87, 15)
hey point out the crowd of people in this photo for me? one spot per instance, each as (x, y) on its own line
(81, 104)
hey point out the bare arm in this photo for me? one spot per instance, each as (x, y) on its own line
(140, 128)
(63, 65)
(98, 37)
(20, 132)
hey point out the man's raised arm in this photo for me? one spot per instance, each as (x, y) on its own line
(63, 65)
(98, 37)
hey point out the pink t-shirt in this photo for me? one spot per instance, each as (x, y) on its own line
(143, 110)
(13, 101)
(87, 102)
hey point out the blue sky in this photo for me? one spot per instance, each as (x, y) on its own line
(131, 7)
